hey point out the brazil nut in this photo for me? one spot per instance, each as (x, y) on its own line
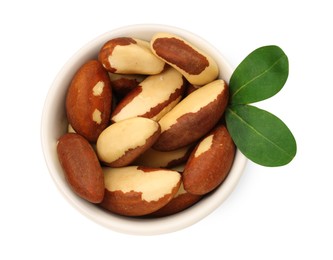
(128, 55)
(121, 143)
(193, 117)
(210, 162)
(88, 100)
(137, 191)
(81, 167)
(196, 66)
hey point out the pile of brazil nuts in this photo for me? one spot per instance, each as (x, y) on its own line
(146, 134)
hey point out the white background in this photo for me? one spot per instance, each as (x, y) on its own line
(274, 213)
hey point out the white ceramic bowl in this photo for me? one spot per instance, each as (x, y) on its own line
(54, 124)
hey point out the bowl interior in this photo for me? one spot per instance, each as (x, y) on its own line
(54, 124)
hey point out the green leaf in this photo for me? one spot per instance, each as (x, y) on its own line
(259, 76)
(260, 136)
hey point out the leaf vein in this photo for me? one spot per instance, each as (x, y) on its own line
(256, 77)
(259, 133)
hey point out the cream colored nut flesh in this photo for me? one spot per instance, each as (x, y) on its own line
(196, 66)
(193, 117)
(121, 140)
(153, 98)
(135, 191)
(98, 89)
(70, 129)
(97, 116)
(127, 55)
(204, 146)
(180, 191)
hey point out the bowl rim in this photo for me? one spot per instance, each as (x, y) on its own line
(129, 225)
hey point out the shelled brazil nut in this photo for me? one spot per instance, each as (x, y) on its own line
(196, 66)
(126, 55)
(156, 148)
(193, 117)
(166, 88)
(137, 191)
(122, 142)
(89, 99)
(210, 162)
(81, 167)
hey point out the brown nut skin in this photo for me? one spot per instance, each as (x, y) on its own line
(193, 117)
(89, 100)
(191, 88)
(181, 201)
(122, 84)
(126, 189)
(81, 167)
(210, 162)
